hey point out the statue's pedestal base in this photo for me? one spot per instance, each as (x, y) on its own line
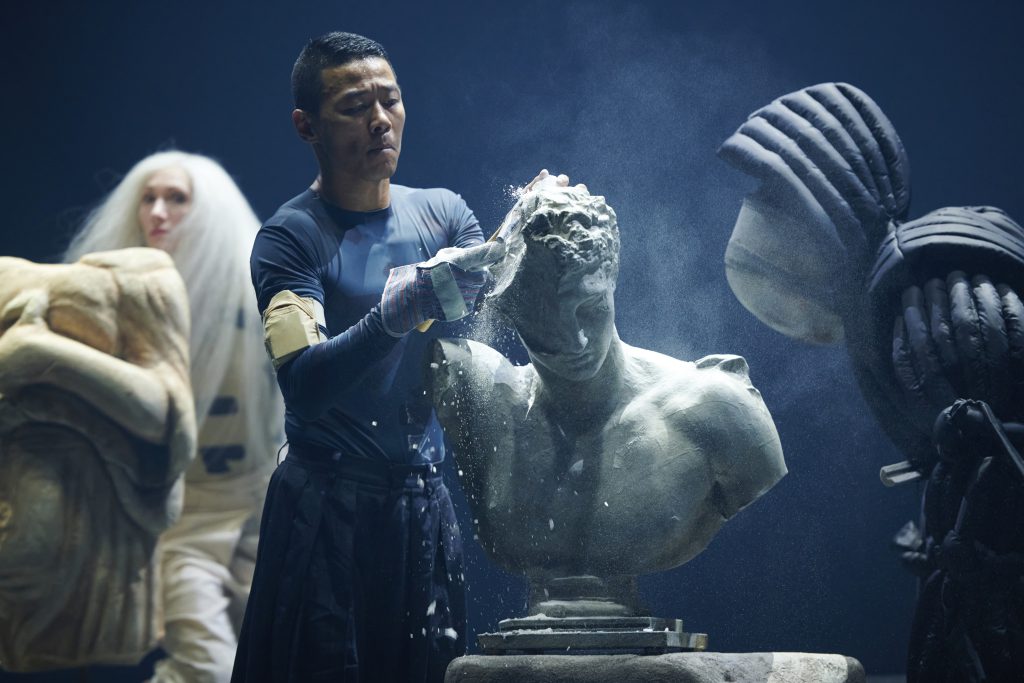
(593, 635)
(682, 667)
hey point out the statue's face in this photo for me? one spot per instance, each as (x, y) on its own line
(571, 329)
(557, 283)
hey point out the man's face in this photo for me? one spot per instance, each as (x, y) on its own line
(570, 331)
(359, 125)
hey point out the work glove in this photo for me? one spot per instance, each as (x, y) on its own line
(444, 288)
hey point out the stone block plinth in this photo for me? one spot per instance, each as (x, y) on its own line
(683, 667)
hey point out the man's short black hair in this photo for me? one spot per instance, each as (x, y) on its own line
(326, 51)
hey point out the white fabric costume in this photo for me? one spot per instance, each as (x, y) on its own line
(207, 558)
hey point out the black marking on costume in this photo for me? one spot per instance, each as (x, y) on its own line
(215, 458)
(224, 405)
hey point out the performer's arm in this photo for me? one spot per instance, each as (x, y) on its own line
(314, 372)
(313, 368)
(463, 228)
(315, 378)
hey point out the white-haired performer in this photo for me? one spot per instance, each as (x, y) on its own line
(188, 206)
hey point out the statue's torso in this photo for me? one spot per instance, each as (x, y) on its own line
(633, 491)
(595, 499)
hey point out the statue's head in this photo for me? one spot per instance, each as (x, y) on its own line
(556, 285)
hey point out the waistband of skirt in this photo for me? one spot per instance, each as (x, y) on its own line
(365, 470)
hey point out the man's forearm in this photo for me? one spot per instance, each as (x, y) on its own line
(313, 380)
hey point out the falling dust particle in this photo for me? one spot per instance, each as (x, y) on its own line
(431, 608)
(551, 524)
(451, 633)
(606, 503)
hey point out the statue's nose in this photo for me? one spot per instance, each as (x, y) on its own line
(570, 337)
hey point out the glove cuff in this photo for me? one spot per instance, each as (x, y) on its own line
(400, 303)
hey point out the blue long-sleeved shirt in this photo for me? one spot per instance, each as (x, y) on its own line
(361, 392)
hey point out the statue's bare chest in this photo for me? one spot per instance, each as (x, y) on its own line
(567, 489)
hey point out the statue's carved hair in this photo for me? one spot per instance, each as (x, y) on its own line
(558, 233)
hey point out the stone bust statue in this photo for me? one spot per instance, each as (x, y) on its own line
(597, 458)
(96, 427)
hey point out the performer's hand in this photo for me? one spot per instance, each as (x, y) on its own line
(512, 220)
(560, 180)
(444, 288)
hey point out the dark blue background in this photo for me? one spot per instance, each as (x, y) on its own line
(631, 98)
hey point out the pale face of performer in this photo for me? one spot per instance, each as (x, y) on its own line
(361, 119)
(166, 200)
(572, 334)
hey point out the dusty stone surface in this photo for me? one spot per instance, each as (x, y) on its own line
(689, 667)
(96, 427)
(597, 458)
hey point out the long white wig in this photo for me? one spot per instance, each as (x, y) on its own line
(212, 256)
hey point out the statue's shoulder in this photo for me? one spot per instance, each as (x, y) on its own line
(720, 379)
(711, 373)
(139, 261)
(13, 262)
(717, 409)
(725, 368)
(726, 377)
(474, 366)
(469, 353)
(142, 273)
